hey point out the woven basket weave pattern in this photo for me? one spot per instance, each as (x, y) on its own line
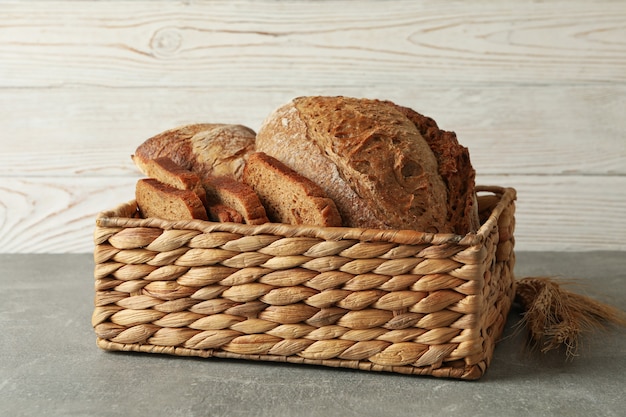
(397, 301)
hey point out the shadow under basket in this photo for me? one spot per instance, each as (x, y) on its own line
(377, 300)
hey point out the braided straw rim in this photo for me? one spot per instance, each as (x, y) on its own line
(124, 215)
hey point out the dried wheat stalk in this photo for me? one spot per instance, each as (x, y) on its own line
(556, 317)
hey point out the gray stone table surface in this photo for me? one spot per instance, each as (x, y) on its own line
(50, 365)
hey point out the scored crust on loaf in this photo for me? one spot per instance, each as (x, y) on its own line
(369, 157)
(155, 199)
(215, 149)
(289, 197)
(165, 170)
(237, 195)
(172, 143)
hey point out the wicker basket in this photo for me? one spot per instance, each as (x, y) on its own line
(377, 300)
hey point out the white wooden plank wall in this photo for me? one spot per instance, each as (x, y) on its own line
(535, 89)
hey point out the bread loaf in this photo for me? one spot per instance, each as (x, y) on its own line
(288, 197)
(384, 166)
(206, 149)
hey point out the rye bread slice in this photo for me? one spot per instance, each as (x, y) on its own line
(237, 195)
(219, 212)
(165, 170)
(288, 197)
(162, 201)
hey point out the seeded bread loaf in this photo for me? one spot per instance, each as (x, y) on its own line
(383, 166)
(205, 149)
(288, 197)
(162, 201)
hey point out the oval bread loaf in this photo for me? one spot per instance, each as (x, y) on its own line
(385, 166)
(205, 148)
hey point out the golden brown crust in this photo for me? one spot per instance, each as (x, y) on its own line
(162, 201)
(173, 143)
(205, 148)
(289, 197)
(455, 168)
(369, 157)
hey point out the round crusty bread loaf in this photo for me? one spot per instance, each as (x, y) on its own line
(376, 161)
(206, 149)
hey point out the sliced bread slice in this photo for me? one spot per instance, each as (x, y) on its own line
(219, 212)
(237, 195)
(162, 201)
(288, 197)
(165, 170)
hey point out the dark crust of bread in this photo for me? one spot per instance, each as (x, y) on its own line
(289, 197)
(455, 169)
